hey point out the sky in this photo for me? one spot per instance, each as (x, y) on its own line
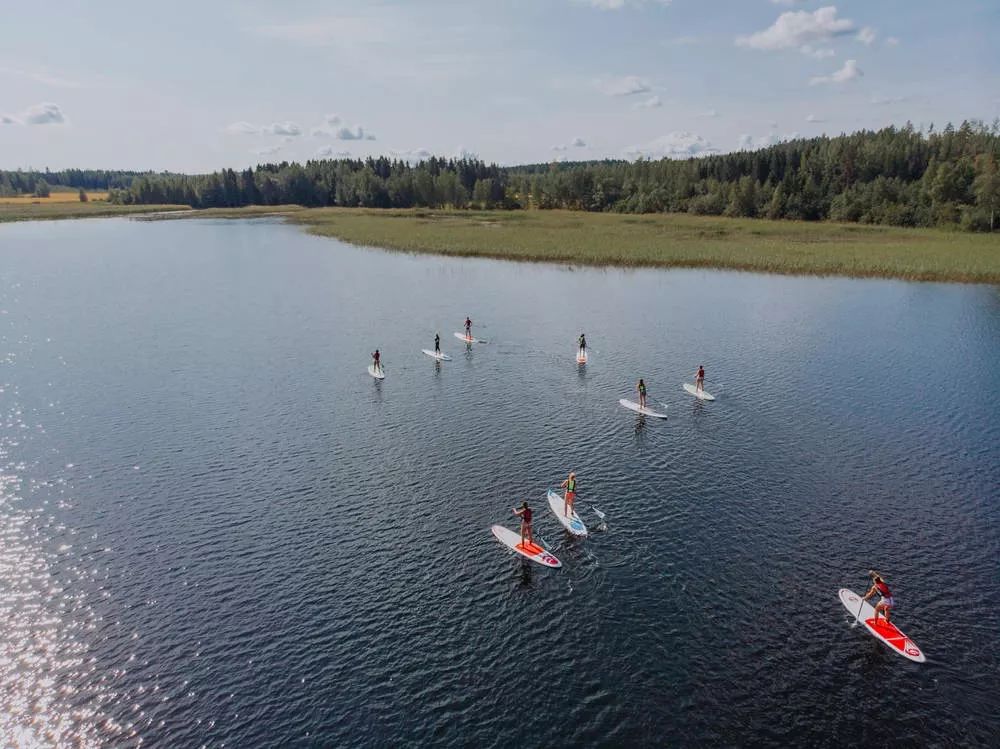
(197, 86)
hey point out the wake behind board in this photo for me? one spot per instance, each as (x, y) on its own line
(702, 395)
(633, 406)
(439, 357)
(572, 523)
(531, 551)
(378, 374)
(467, 339)
(581, 357)
(885, 631)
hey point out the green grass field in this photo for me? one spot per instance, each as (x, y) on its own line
(671, 241)
(52, 211)
(666, 241)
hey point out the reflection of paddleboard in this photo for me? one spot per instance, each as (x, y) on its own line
(581, 357)
(378, 374)
(572, 523)
(531, 551)
(439, 357)
(694, 391)
(885, 631)
(632, 406)
(467, 339)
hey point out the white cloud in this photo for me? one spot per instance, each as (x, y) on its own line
(575, 143)
(676, 145)
(358, 133)
(578, 143)
(625, 85)
(619, 4)
(867, 36)
(748, 142)
(43, 114)
(242, 128)
(814, 118)
(651, 103)
(282, 128)
(328, 152)
(710, 113)
(849, 72)
(462, 153)
(786, 2)
(798, 28)
(267, 150)
(288, 129)
(6, 119)
(561, 147)
(892, 41)
(417, 154)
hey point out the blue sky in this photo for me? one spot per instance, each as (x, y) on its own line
(196, 86)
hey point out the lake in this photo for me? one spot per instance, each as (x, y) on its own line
(218, 530)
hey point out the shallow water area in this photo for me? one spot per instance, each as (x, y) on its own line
(216, 528)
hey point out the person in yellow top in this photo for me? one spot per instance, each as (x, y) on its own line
(570, 494)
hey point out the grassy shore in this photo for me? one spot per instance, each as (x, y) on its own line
(56, 209)
(671, 241)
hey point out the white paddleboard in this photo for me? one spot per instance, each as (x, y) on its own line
(694, 391)
(572, 523)
(633, 406)
(378, 374)
(439, 357)
(887, 632)
(582, 357)
(462, 337)
(534, 552)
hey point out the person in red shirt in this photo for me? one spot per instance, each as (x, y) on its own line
(886, 602)
(525, 514)
(699, 379)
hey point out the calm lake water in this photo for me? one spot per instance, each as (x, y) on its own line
(216, 529)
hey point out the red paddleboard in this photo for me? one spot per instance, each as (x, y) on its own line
(531, 551)
(885, 631)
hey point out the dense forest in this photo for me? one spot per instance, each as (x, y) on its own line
(897, 176)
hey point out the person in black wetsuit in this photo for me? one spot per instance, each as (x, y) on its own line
(377, 361)
(437, 343)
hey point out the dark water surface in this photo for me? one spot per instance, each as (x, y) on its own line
(217, 529)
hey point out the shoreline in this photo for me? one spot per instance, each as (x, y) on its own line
(624, 240)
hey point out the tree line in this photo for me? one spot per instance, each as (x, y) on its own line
(897, 176)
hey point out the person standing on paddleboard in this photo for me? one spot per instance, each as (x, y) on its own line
(641, 387)
(377, 361)
(468, 328)
(525, 514)
(582, 340)
(570, 486)
(699, 379)
(437, 343)
(879, 586)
